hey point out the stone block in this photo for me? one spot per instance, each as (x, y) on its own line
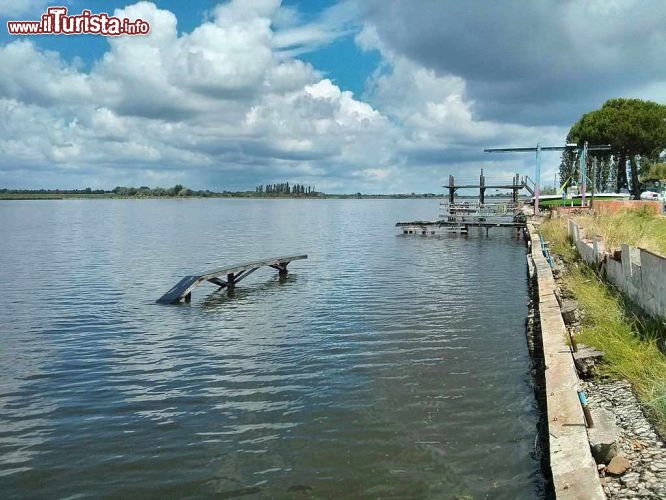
(604, 436)
(618, 466)
(585, 358)
(569, 310)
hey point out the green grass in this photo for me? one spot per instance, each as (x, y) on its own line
(627, 338)
(639, 228)
(576, 202)
(554, 231)
(610, 322)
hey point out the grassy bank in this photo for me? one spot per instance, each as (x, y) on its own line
(628, 339)
(611, 323)
(637, 228)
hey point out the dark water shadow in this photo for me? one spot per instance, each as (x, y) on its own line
(222, 296)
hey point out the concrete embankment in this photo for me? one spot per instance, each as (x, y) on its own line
(574, 471)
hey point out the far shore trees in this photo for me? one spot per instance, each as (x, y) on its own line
(636, 131)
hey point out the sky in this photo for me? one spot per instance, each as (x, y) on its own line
(372, 96)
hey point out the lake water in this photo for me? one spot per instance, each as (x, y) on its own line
(385, 366)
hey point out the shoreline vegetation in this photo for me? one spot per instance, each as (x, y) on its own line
(182, 192)
(610, 322)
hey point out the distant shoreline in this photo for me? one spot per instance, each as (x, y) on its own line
(111, 196)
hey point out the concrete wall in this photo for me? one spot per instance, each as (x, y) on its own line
(637, 273)
(574, 471)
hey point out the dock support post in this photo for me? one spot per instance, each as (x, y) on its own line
(516, 187)
(282, 270)
(452, 189)
(482, 189)
(231, 282)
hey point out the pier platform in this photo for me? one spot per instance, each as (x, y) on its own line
(426, 228)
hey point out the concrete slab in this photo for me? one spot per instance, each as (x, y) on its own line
(604, 436)
(574, 470)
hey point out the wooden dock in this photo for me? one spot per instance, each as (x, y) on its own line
(433, 228)
(471, 223)
(231, 274)
(460, 216)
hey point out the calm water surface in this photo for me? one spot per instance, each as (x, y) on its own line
(386, 366)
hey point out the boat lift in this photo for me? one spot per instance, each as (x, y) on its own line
(582, 158)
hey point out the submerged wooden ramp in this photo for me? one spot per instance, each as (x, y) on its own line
(233, 274)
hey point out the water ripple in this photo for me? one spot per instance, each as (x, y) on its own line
(373, 371)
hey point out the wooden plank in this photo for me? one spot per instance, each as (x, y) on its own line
(179, 290)
(185, 285)
(236, 268)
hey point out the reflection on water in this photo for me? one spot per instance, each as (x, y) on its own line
(384, 366)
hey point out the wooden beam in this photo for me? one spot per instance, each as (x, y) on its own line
(218, 282)
(245, 274)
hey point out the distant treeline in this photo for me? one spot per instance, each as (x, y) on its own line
(143, 191)
(285, 189)
(177, 190)
(281, 190)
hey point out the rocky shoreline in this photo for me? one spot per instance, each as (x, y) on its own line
(639, 443)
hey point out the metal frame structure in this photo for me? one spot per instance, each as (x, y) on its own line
(539, 148)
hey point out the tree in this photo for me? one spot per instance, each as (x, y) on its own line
(634, 128)
(653, 172)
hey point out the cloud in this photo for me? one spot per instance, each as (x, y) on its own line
(438, 119)
(529, 62)
(230, 104)
(204, 105)
(336, 21)
(37, 77)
